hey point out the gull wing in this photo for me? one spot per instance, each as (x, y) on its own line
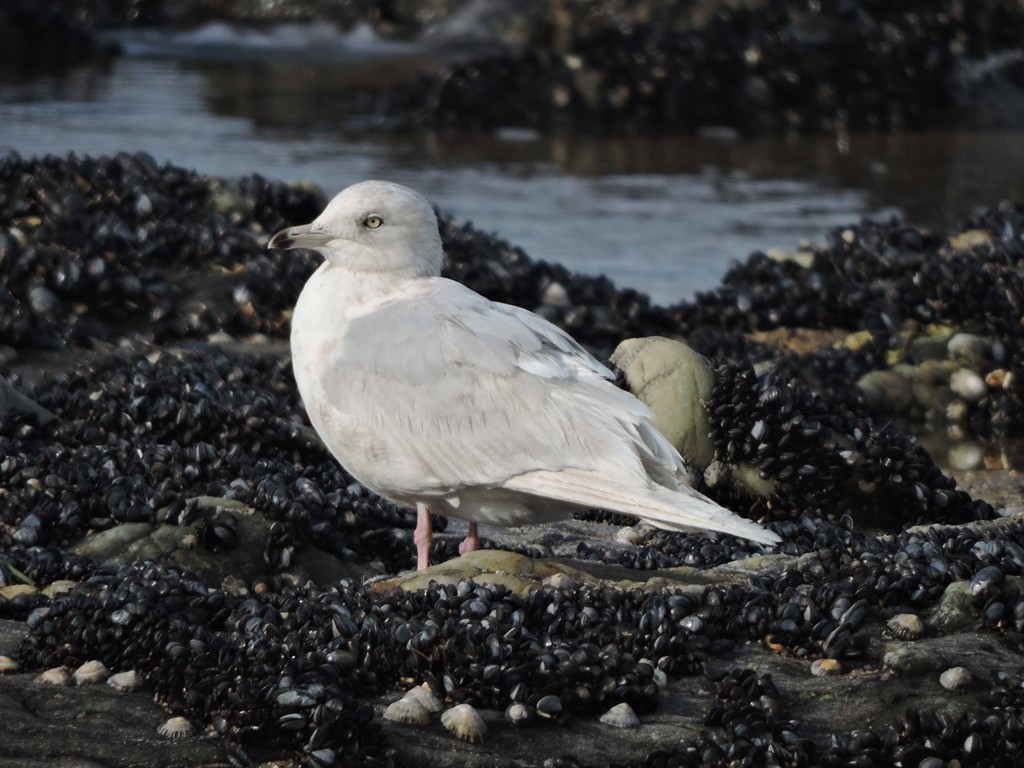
(437, 390)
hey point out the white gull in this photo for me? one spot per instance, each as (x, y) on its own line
(435, 397)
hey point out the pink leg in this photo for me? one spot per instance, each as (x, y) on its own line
(472, 541)
(422, 537)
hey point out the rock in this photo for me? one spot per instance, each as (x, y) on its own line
(888, 391)
(955, 609)
(912, 660)
(674, 381)
(182, 545)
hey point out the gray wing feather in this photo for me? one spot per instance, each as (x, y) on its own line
(472, 393)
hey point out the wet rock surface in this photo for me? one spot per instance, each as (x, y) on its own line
(166, 509)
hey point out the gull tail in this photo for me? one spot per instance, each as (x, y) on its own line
(677, 510)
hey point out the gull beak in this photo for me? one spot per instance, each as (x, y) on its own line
(301, 236)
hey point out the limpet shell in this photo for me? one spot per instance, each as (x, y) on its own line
(426, 697)
(465, 722)
(956, 678)
(826, 667)
(621, 716)
(91, 672)
(126, 682)
(407, 710)
(177, 728)
(906, 626)
(57, 676)
(8, 665)
(518, 713)
(627, 535)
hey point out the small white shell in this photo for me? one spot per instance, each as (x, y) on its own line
(518, 713)
(90, 672)
(126, 682)
(407, 710)
(56, 676)
(621, 716)
(956, 678)
(177, 728)
(426, 697)
(627, 535)
(825, 667)
(560, 581)
(8, 665)
(906, 626)
(465, 722)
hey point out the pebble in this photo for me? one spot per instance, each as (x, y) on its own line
(968, 385)
(910, 661)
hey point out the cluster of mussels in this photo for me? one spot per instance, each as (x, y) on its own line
(97, 249)
(925, 739)
(289, 666)
(136, 438)
(829, 458)
(777, 66)
(132, 439)
(901, 293)
(780, 66)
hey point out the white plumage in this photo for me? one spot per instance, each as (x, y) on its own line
(431, 395)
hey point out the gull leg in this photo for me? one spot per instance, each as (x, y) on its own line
(422, 537)
(472, 541)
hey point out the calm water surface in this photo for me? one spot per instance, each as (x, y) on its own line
(663, 215)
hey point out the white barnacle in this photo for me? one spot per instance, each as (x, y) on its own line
(177, 728)
(126, 682)
(621, 716)
(426, 697)
(90, 672)
(407, 710)
(56, 676)
(906, 626)
(465, 722)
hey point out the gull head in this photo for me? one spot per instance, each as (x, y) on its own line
(373, 227)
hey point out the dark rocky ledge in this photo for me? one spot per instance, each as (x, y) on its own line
(165, 508)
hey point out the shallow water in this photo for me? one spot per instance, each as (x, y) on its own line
(664, 215)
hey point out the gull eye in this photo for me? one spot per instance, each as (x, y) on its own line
(373, 222)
